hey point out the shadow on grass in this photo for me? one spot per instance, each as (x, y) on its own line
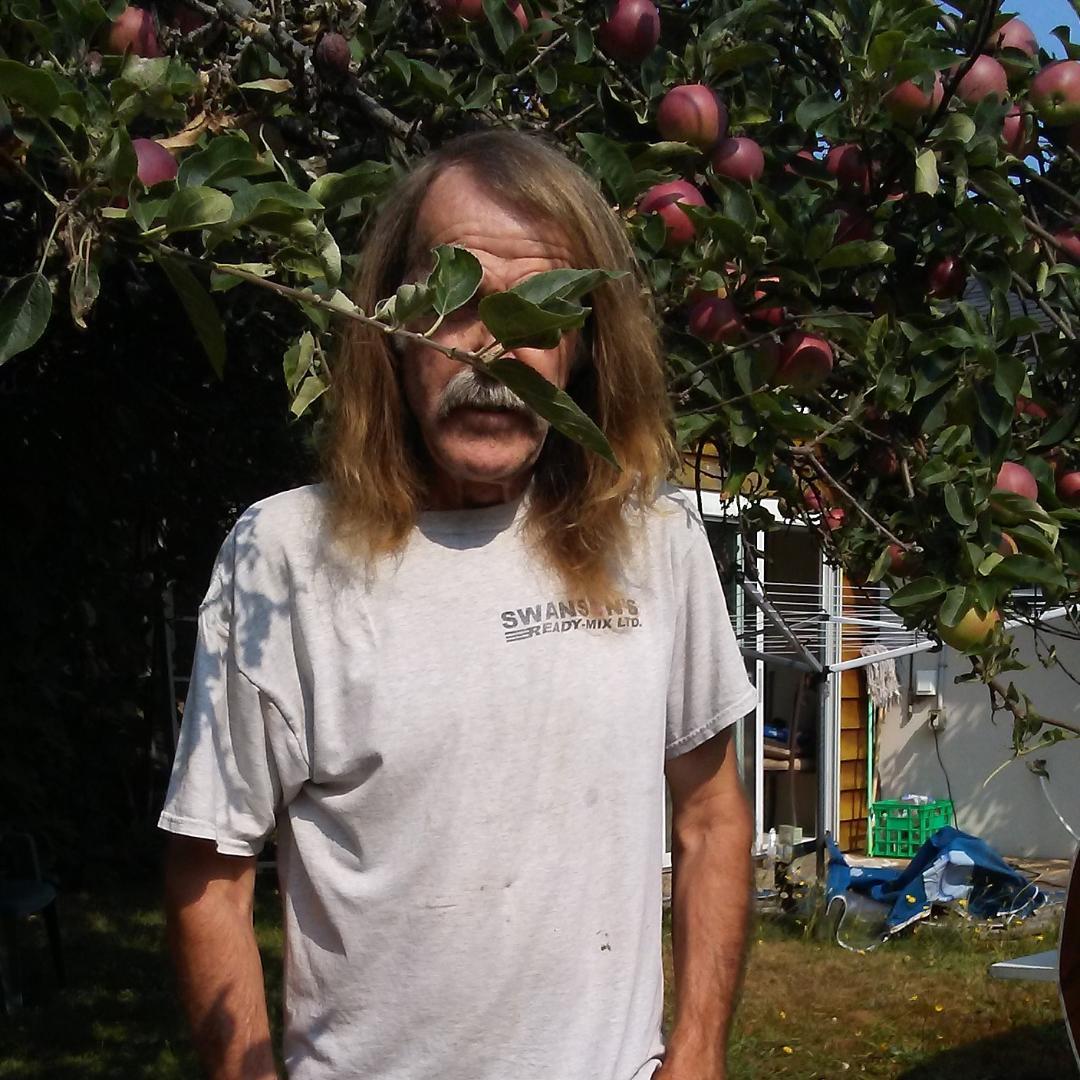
(119, 1016)
(1030, 1052)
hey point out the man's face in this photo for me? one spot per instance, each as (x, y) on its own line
(482, 450)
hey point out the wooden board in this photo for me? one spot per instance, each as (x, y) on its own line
(1069, 961)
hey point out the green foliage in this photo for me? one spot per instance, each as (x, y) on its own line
(280, 167)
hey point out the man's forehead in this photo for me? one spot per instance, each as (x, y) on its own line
(457, 210)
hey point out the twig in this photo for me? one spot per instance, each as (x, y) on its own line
(573, 119)
(29, 176)
(819, 468)
(1049, 184)
(1022, 713)
(905, 475)
(1044, 307)
(305, 296)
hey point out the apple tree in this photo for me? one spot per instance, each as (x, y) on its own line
(859, 220)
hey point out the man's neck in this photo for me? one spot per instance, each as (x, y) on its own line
(449, 493)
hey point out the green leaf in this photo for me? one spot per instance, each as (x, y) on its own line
(1061, 428)
(955, 606)
(554, 405)
(24, 313)
(271, 86)
(30, 87)
(612, 163)
(273, 198)
(926, 172)
(958, 127)
(582, 40)
(885, 50)
(224, 158)
(367, 178)
(740, 57)
(200, 310)
(563, 284)
(1028, 570)
(515, 321)
(987, 565)
(297, 361)
(857, 253)
(310, 389)
(502, 22)
(454, 279)
(410, 300)
(196, 208)
(812, 110)
(916, 593)
(84, 286)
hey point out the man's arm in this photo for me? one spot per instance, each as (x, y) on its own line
(712, 832)
(208, 903)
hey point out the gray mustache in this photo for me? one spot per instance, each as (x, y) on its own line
(469, 389)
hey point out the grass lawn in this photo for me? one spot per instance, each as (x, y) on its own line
(915, 1009)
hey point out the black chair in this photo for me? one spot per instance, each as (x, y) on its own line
(23, 893)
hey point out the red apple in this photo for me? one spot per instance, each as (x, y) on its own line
(715, 318)
(739, 159)
(473, 10)
(1014, 34)
(1006, 546)
(817, 499)
(664, 199)
(771, 315)
(805, 360)
(947, 278)
(984, 78)
(834, 518)
(133, 29)
(854, 225)
(631, 31)
(1015, 478)
(848, 164)
(804, 155)
(1018, 135)
(156, 164)
(694, 114)
(1027, 407)
(972, 631)
(1055, 93)
(901, 564)
(907, 103)
(884, 461)
(1069, 241)
(332, 57)
(1068, 488)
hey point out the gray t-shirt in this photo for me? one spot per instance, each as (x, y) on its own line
(465, 768)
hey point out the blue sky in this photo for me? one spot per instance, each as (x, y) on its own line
(1042, 16)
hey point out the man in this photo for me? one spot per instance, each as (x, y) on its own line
(454, 675)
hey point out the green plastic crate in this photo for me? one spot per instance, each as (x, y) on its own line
(898, 829)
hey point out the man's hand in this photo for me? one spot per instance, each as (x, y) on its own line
(712, 833)
(208, 903)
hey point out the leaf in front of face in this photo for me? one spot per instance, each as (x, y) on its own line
(563, 284)
(454, 279)
(515, 321)
(555, 406)
(411, 299)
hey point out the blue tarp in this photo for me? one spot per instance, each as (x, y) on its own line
(951, 866)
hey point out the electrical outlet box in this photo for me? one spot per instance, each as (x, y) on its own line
(926, 683)
(936, 720)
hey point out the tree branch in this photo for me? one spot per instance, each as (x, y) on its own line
(819, 468)
(1021, 712)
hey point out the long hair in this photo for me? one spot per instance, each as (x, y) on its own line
(578, 512)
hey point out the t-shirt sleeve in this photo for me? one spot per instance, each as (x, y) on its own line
(238, 761)
(709, 688)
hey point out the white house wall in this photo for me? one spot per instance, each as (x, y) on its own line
(1010, 812)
